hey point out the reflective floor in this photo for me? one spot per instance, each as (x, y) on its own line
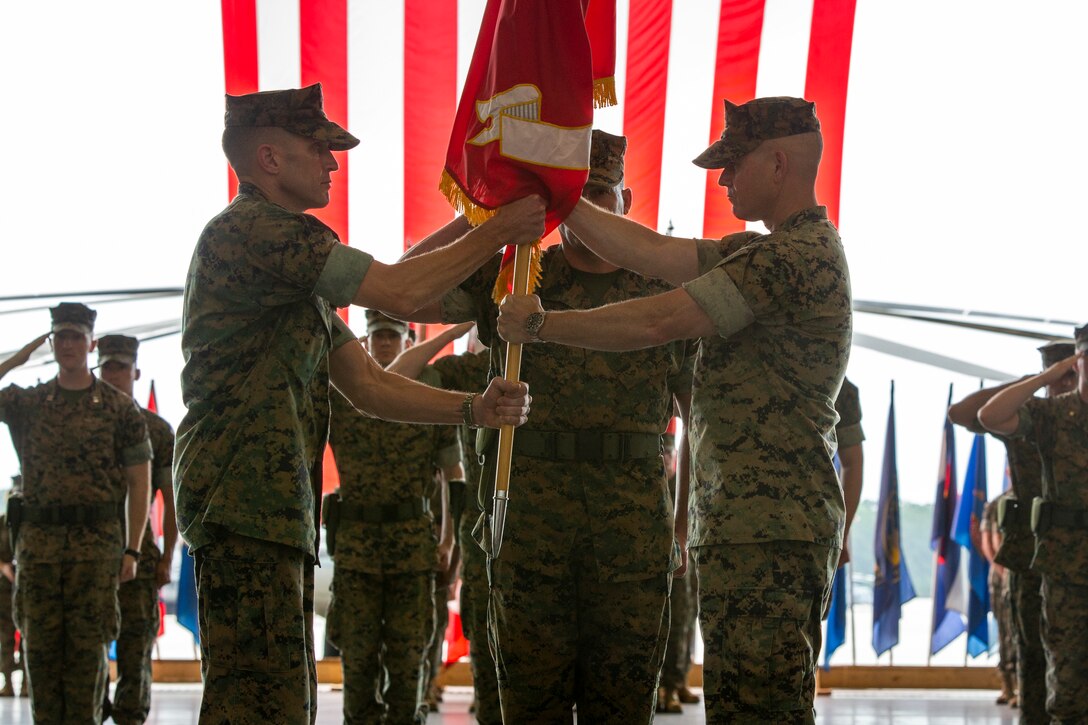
(178, 705)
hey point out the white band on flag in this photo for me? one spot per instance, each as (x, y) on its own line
(515, 123)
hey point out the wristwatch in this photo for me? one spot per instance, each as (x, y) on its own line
(133, 553)
(533, 323)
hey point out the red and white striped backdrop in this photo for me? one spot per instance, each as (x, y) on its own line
(392, 74)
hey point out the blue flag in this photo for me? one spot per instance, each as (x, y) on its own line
(187, 609)
(836, 617)
(947, 590)
(892, 586)
(968, 517)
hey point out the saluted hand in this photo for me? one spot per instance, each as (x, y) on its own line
(503, 403)
(513, 314)
(23, 355)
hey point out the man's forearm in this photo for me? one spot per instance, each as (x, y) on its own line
(1002, 413)
(411, 362)
(389, 396)
(448, 234)
(628, 244)
(965, 412)
(630, 325)
(139, 501)
(402, 288)
(169, 525)
(852, 466)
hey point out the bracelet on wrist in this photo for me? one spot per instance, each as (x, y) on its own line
(467, 413)
(133, 553)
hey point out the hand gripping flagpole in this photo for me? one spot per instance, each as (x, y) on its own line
(523, 254)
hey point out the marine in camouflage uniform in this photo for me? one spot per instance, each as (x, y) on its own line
(1000, 601)
(139, 598)
(83, 447)
(461, 372)
(8, 650)
(382, 613)
(683, 603)
(1017, 540)
(1057, 426)
(774, 316)
(578, 610)
(261, 344)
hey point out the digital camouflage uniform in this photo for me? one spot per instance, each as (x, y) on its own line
(578, 609)
(684, 610)
(257, 329)
(767, 507)
(1001, 604)
(74, 446)
(468, 372)
(1058, 427)
(7, 622)
(139, 598)
(382, 611)
(1024, 581)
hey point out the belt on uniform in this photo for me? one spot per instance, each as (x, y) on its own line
(390, 513)
(73, 513)
(586, 445)
(1046, 515)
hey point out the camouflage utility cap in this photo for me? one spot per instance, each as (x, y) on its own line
(376, 320)
(1081, 336)
(121, 348)
(298, 110)
(752, 123)
(606, 159)
(1056, 351)
(73, 316)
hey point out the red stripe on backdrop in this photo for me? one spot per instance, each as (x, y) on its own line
(740, 26)
(430, 103)
(648, 32)
(323, 31)
(828, 74)
(239, 57)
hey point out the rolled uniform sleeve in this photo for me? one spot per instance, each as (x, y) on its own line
(341, 333)
(133, 438)
(342, 274)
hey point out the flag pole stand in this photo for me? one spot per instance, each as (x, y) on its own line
(522, 256)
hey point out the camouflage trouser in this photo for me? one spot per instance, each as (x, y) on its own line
(1026, 607)
(1006, 641)
(382, 625)
(474, 623)
(574, 639)
(256, 615)
(68, 615)
(441, 623)
(7, 630)
(139, 600)
(684, 603)
(1065, 636)
(759, 608)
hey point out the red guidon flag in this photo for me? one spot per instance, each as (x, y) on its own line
(525, 118)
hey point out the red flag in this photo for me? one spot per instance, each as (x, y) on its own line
(152, 401)
(524, 121)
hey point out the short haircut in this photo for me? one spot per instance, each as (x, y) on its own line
(240, 146)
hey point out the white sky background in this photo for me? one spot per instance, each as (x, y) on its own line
(962, 159)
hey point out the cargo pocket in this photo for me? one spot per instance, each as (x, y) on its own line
(772, 657)
(250, 624)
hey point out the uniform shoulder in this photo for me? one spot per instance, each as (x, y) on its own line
(156, 421)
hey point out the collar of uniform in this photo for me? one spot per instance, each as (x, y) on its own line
(245, 187)
(805, 216)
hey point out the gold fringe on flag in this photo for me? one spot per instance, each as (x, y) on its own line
(505, 280)
(460, 201)
(604, 92)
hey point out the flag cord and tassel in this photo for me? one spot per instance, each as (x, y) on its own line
(604, 92)
(522, 263)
